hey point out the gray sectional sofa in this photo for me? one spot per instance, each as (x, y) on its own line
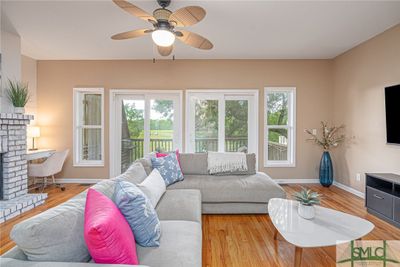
(55, 237)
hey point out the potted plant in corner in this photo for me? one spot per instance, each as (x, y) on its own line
(330, 138)
(18, 95)
(307, 199)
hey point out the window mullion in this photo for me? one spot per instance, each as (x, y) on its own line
(221, 124)
(146, 141)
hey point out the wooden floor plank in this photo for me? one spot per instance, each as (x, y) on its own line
(243, 240)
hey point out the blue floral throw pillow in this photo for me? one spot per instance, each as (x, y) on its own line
(140, 214)
(169, 168)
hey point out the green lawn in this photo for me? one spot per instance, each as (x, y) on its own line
(156, 134)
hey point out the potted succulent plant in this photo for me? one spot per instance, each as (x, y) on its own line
(18, 95)
(307, 199)
(330, 138)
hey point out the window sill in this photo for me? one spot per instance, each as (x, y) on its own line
(279, 165)
(89, 164)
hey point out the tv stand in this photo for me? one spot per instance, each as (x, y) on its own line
(382, 196)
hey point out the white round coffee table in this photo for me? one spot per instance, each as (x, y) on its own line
(328, 228)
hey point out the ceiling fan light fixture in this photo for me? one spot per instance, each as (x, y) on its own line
(163, 37)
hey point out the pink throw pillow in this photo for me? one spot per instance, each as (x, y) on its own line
(107, 233)
(161, 155)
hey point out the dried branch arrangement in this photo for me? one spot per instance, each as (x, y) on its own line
(330, 136)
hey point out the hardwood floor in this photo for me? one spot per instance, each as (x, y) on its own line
(245, 240)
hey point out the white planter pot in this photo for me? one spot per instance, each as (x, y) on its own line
(19, 110)
(307, 212)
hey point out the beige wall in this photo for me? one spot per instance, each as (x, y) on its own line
(360, 76)
(29, 75)
(313, 79)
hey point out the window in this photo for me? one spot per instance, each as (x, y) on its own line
(222, 120)
(280, 117)
(88, 127)
(143, 122)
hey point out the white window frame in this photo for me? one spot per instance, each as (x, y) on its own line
(223, 94)
(146, 95)
(291, 127)
(77, 126)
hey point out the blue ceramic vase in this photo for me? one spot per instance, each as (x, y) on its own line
(326, 170)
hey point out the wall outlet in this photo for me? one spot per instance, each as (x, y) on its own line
(358, 177)
(314, 131)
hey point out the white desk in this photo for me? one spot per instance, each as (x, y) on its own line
(38, 154)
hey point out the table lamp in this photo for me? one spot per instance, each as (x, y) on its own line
(33, 132)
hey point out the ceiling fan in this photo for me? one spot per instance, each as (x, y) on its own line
(164, 22)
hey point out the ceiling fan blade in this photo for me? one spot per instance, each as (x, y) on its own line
(165, 50)
(130, 34)
(133, 10)
(195, 40)
(187, 16)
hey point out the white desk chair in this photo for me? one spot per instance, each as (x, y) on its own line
(51, 166)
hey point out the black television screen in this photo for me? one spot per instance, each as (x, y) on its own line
(392, 103)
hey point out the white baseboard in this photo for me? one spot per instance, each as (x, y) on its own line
(296, 181)
(349, 189)
(78, 181)
(316, 181)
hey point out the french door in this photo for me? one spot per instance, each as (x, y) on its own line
(142, 122)
(224, 121)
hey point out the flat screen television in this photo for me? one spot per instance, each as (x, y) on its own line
(392, 103)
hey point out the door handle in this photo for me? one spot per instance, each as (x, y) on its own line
(378, 197)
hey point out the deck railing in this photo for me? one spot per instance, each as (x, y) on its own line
(133, 149)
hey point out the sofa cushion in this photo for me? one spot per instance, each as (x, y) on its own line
(138, 211)
(134, 174)
(257, 188)
(180, 245)
(180, 204)
(146, 162)
(107, 233)
(193, 163)
(55, 234)
(169, 168)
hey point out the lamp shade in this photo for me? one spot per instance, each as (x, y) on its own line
(163, 38)
(33, 131)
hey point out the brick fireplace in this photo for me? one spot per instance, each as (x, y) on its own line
(14, 197)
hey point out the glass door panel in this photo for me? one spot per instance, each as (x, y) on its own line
(132, 131)
(221, 122)
(205, 125)
(236, 125)
(161, 125)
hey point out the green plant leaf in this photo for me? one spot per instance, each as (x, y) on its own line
(17, 93)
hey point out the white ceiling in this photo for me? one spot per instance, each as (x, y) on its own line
(239, 29)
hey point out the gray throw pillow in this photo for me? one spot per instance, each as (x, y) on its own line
(135, 174)
(146, 162)
(54, 235)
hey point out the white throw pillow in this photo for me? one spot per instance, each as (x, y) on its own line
(153, 187)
